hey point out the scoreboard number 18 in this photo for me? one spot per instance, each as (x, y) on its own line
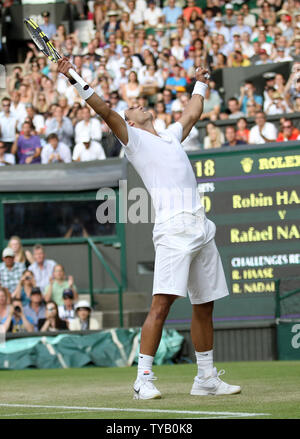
(205, 168)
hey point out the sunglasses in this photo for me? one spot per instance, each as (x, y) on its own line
(51, 309)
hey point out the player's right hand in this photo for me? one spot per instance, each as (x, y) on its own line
(202, 75)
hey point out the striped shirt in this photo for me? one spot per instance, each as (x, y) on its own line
(9, 278)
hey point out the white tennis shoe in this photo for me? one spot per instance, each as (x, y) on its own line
(144, 388)
(213, 385)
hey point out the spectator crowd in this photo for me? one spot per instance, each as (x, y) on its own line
(36, 294)
(145, 54)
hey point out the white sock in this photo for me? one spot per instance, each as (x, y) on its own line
(204, 363)
(145, 363)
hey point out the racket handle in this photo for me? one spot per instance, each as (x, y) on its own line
(78, 79)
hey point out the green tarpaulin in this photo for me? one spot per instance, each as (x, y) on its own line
(115, 347)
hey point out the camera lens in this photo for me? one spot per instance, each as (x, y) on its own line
(17, 309)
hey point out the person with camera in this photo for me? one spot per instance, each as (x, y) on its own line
(24, 287)
(67, 310)
(52, 321)
(35, 309)
(16, 320)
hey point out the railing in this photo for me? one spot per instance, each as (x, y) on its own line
(119, 289)
(280, 298)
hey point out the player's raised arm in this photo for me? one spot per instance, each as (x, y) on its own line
(112, 118)
(194, 108)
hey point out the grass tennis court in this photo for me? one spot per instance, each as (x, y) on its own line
(270, 390)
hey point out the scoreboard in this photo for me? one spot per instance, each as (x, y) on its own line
(253, 196)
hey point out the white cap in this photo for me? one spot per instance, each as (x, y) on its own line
(8, 252)
(228, 6)
(82, 304)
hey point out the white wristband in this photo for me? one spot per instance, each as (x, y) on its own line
(84, 94)
(200, 89)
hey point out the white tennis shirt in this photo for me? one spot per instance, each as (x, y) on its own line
(165, 170)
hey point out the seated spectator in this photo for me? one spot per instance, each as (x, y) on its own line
(230, 17)
(37, 120)
(67, 310)
(27, 146)
(289, 132)
(188, 10)
(175, 81)
(35, 309)
(171, 12)
(231, 137)
(132, 89)
(263, 131)
(83, 320)
(10, 271)
(58, 283)
(16, 320)
(6, 158)
(17, 108)
(88, 127)
(8, 124)
(42, 268)
(295, 50)
(52, 321)
(167, 97)
(242, 130)
(249, 19)
(192, 141)
(240, 26)
(152, 14)
(277, 105)
(234, 109)
(88, 150)
(55, 151)
(5, 300)
(280, 55)
(60, 125)
(161, 114)
(117, 104)
(25, 287)
(263, 58)
(21, 255)
(212, 105)
(237, 59)
(214, 138)
(151, 81)
(248, 94)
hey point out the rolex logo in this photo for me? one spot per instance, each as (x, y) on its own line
(247, 164)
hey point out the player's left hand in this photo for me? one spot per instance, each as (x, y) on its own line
(202, 75)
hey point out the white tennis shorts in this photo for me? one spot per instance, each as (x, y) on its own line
(187, 259)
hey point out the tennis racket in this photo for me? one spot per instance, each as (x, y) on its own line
(46, 46)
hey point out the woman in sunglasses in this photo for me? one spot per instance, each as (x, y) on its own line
(52, 322)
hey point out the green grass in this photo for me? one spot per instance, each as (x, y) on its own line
(269, 388)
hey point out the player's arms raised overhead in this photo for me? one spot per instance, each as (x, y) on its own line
(113, 119)
(194, 108)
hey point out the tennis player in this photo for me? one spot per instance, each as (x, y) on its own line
(187, 260)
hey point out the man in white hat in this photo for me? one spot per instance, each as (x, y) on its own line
(87, 150)
(187, 259)
(10, 271)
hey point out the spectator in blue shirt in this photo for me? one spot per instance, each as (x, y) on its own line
(48, 28)
(176, 80)
(36, 309)
(248, 93)
(16, 320)
(171, 12)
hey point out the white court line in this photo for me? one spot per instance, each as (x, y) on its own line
(136, 410)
